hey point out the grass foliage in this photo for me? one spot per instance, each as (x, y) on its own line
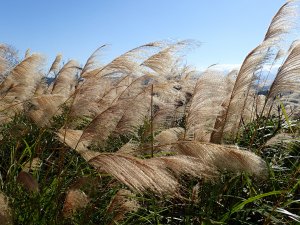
(145, 139)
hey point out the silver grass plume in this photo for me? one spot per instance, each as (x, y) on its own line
(164, 140)
(225, 158)
(8, 60)
(27, 53)
(167, 102)
(134, 114)
(104, 124)
(163, 143)
(123, 202)
(125, 63)
(169, 136)
(120, 117)
(44, 107)
(137, 103)
(3, 62)
(99, 82)
(136, 173)
(91, 62)
(72, 139)
(163, 61)
(120, 114)
(55, 65)
(5, 211)
(75, 200)
(253, 62)
(205, 105)
(23, 78)
(186, 165)
(130, 148)
(33, 165)
(19, 86)
(28, 181)
(158, 175)
(160, 62)
(282, 21)
(140, 175)
(281, 139)
(66, 80)
(287, 78)
(96, 89)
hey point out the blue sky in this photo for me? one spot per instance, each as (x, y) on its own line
(228, 29)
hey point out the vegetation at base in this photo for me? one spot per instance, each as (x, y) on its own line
(232, 199)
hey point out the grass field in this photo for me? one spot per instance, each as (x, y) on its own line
(146, 139)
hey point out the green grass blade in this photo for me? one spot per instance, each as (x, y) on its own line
(286, 117)
(241, 205)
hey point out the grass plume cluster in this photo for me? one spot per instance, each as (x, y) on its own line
(145, 139)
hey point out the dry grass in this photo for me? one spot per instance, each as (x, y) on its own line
(75, 200)
(123, 202)
(172, 121)
(5, 211)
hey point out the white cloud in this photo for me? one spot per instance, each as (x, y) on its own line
(269, 71)
(221, 67)
(226, 67)
(229, 67)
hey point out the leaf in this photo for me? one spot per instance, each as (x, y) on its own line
(241, 205)
(286, 117)
(289, 214)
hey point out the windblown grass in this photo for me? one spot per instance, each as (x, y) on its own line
(146, 140)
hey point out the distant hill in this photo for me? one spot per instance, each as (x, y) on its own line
(49, 80)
